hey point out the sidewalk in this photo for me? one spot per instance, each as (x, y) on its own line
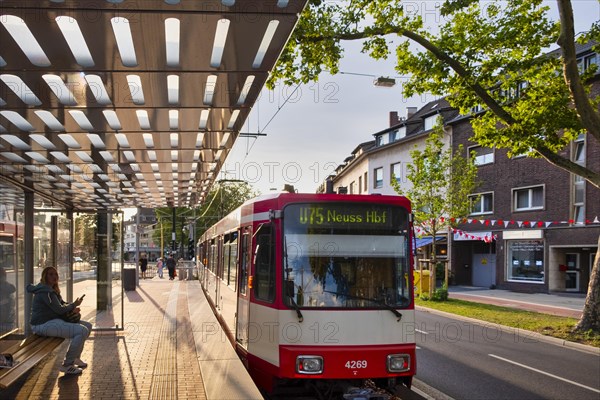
(561, 304)
(166, 351)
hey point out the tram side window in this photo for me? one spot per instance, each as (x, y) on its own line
(213, 256)
(222, 249)
(232, 275)
(244, 262)
(265, 265)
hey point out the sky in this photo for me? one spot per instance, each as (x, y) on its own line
(312, 129)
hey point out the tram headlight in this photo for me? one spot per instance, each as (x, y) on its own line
(398, 362)
(309, 365)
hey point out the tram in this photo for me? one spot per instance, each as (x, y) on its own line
(315, 289)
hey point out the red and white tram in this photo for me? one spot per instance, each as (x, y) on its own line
(315, 288)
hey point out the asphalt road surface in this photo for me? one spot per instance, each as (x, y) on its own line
(468, 361)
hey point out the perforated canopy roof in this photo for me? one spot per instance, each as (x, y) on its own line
(113, 104)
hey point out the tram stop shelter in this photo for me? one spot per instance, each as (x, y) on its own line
(112, 104)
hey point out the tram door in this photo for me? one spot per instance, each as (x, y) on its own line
(243, 303)
(219, 271)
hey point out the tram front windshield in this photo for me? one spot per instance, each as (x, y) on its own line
(345, 255)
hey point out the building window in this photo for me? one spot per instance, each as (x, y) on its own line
(396, 172)
(365, 182)
(476, 109)
(393, 136)
(579, 152)
(578, 183)
(531, 198)
(381, 140)
(359, 184)
(483, 155)
(587, 61)
(526, 260)
(352, 187)
(430, 122)
(378, 181)
(401, 133)
(482, 203)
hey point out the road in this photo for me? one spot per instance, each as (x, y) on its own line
(471, 361)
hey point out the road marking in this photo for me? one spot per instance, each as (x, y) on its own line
(544, 373)
(423, 332)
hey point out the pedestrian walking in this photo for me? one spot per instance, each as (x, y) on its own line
(143, 266)
(159, 267)
(171, 264)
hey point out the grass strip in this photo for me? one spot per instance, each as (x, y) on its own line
(545, 324)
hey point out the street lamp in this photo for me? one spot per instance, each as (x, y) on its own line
(380, 81)
(384, 81)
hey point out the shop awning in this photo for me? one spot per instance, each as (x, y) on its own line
(424, 241)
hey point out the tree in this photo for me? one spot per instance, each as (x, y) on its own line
(485, 53)
(224, 197)
(85, 230)
(441, 184)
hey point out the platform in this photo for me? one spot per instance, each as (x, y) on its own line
(171, 348)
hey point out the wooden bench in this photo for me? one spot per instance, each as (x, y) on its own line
(26, 355)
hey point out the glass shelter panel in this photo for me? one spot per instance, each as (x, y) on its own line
(99, 268)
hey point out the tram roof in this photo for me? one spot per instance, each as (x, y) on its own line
(108, 104)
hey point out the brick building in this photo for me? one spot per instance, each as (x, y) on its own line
(544, 219)
(533, 227)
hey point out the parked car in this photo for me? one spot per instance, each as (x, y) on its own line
(77, 259)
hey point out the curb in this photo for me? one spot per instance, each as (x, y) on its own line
(534, 335)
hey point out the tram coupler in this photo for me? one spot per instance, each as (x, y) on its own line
(364, 394)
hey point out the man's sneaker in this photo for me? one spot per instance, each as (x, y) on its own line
(80, 363)
(70, 370)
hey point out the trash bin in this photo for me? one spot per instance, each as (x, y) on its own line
(129, 278)
(182, 273)
(421, 285)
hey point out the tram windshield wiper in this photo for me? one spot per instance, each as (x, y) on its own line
(376, 301)
(295, 307)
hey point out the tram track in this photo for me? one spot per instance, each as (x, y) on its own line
(369, 391)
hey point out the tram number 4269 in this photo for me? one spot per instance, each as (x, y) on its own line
(356, 364)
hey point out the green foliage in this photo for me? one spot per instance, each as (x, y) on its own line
(440, 294)
(481, 54)
(223, 198)
(85, 230)
(441, 183)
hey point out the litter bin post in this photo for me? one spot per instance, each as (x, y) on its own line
(129, 278)
(421, 282)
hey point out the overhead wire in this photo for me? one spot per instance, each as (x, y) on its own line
(270, 120)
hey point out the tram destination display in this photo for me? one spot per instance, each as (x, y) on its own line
(335, 215)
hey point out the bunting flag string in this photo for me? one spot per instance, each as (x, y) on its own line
(488, 238)
(500, 223)
(467, 235)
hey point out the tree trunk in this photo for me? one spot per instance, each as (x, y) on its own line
(591, 311)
